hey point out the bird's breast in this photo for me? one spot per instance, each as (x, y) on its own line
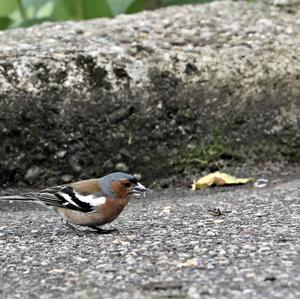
(104, 213)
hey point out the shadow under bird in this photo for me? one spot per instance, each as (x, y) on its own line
(90, 203)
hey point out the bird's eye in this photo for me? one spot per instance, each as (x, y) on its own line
(127, 185)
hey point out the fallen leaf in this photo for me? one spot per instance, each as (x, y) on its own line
(188, 263)
(218, 221)
(219, 179)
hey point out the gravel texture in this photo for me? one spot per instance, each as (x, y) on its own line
(167, 246)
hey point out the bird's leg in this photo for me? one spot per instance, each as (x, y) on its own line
(71, 226)
(74, 228)
(102, 231)
(96, 229)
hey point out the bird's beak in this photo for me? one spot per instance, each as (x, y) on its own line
(139, 189)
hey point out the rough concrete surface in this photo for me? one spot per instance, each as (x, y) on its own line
(168, 245)
(149, 93)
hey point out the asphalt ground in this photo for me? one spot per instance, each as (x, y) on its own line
(168, 245)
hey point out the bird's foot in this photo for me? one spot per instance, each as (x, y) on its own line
(96, 229)
(78, 231)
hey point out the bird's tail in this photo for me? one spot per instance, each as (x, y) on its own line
(24, 197)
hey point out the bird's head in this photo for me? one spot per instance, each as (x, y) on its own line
(119, 185)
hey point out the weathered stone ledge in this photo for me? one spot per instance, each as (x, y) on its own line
(149, 92)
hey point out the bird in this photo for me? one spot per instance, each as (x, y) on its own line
(90, 203)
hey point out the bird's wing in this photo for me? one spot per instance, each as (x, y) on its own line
(66, 196)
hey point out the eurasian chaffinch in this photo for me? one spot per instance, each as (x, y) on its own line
(92, 202)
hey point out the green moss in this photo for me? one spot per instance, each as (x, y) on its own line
(204, 153)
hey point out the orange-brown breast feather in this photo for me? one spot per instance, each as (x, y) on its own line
(103, 214)
(112, 208)
(87, 186)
